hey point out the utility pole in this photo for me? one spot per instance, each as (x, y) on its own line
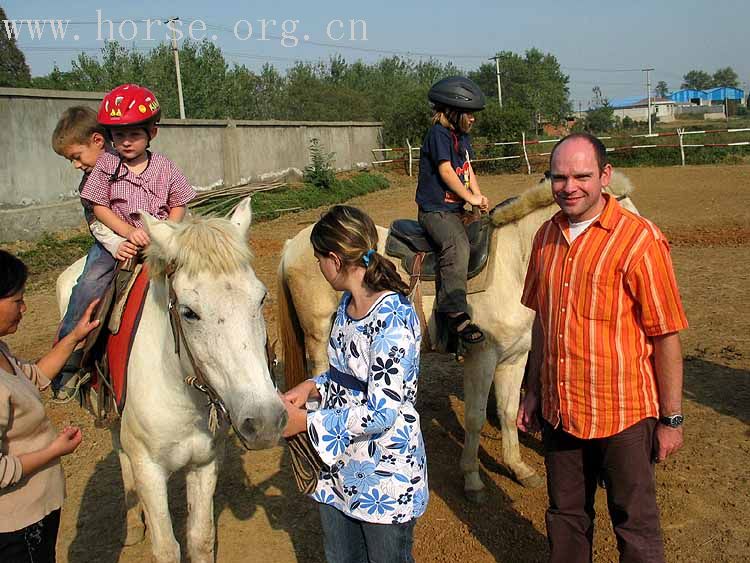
(177, 67)
(497, 74)
(648, 94)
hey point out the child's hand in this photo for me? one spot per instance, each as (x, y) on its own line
(299, 395)
(475, 199)
(297, 420)
(139, 237)
(484, 207)
(126, 250)
(85, 325)
(67, 441)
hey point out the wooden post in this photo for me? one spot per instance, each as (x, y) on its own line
(682, 146)
(408, 147)
(525, 154)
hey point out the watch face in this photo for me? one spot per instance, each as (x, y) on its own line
(673, 421)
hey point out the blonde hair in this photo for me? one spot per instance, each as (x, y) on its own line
(452, 119)
(75, 127)
(351, 235)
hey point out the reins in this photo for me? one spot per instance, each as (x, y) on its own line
(197, 380)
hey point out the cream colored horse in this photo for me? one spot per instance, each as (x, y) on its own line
(165, 422)
(306, 303)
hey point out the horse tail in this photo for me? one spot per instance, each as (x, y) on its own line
(290, 332)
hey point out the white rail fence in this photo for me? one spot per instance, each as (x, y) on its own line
(409, 154)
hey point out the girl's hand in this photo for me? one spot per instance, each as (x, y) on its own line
(299, 395)
(67, 441)
(85, 325)
(484, 207)
(297, 421)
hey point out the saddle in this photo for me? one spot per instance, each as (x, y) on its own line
(407, 240)
(107, 348)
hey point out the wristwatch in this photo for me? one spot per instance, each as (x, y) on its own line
(673, 421)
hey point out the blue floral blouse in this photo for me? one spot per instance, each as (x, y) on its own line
(367, 429)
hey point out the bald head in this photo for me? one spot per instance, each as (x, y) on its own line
(600, 151)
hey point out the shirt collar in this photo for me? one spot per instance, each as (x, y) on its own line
(607, 219)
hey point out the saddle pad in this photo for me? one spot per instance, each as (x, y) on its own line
(120, 344)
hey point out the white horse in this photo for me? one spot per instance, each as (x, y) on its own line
(165, 422)
(306, 303)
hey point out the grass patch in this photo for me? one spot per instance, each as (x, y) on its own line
(270, 205)
(51, 253)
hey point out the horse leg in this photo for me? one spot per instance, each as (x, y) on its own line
(151, 481)
(478, 368)
(508, 379)
(135, 527)
(201, 532)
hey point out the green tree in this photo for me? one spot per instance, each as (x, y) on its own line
(726, 77)
(697, 80)
(662, 90)
(13, 68)
(534, 82)
(601, 119)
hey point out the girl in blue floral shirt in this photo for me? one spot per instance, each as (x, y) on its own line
(366, 429)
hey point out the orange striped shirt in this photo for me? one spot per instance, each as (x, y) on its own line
(600, 300)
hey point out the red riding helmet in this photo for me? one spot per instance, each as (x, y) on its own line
(129, 104)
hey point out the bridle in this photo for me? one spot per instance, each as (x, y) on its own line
(197, 380)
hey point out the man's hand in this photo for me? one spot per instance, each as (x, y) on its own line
(528, 413)
(126, 250)
(139, 237)
(667, 441)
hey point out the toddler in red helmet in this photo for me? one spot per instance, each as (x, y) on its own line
(136, 179)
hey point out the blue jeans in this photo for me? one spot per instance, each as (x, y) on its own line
(347, 540)
(97, 274)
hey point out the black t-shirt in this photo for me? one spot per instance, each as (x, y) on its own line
(441, 144)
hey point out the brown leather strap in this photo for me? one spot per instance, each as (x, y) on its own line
(415, 294)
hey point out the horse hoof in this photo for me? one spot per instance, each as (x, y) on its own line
(134, 535)
(533, 481)
(476, 497)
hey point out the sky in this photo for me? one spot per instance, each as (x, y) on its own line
(597, 43)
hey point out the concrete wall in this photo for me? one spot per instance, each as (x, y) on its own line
(38, 188)
(665, 113)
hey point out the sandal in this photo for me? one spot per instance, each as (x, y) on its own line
(469, 333)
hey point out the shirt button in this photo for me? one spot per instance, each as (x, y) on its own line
(562, 360)
(560, 335)
(566, 284)
(570, 259)
(563, 309)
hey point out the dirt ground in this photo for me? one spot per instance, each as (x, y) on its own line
(703, 491)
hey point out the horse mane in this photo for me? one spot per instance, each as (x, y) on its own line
(540, 195)
(201, 245)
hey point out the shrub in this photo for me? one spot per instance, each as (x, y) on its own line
(319, 172)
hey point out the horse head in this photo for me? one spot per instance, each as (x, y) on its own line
(218, 304)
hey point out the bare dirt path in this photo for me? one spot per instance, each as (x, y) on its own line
(703, 491)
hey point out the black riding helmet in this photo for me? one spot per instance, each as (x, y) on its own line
(457, 92)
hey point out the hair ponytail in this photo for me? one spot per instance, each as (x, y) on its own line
(381, 275)
(351, 235)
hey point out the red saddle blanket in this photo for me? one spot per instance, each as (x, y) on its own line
(119, 345)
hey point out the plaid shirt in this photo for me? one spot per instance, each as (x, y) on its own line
(600, 300)
(156, 190)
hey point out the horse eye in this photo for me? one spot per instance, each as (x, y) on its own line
(189, 314)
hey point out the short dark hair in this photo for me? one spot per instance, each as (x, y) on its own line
(600, 151)
(14, 274)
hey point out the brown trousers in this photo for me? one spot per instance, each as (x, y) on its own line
(625, 463)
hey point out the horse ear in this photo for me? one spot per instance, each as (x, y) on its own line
(243, 216)
(162, 233)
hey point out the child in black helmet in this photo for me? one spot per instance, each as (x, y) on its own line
(446, 183)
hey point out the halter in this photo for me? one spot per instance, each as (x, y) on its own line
(216, 406)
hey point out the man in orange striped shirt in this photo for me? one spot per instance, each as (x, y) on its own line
(606, 360)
